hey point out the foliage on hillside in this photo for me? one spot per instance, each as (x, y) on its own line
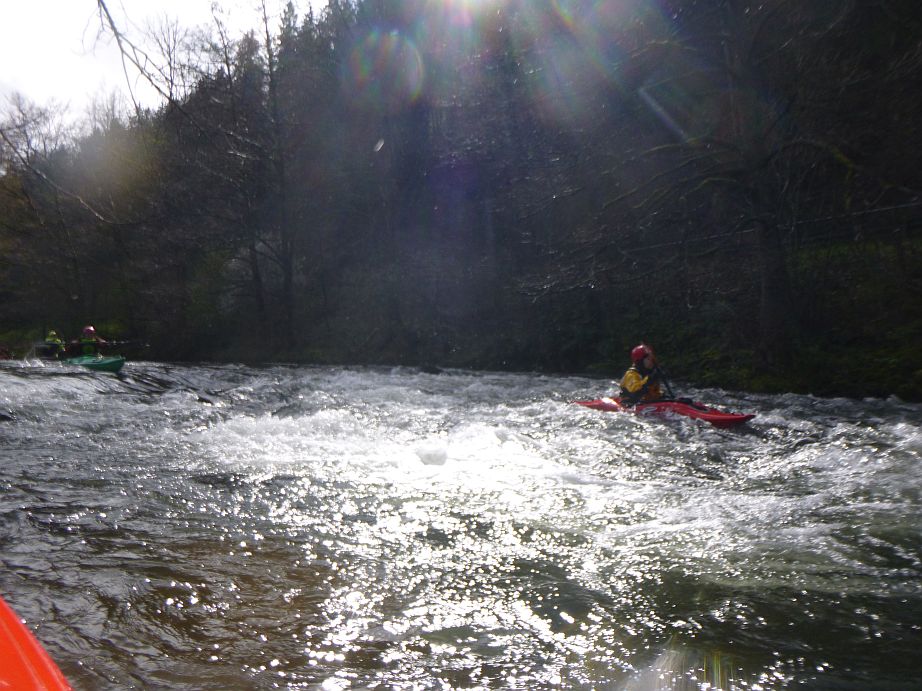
(507, 185)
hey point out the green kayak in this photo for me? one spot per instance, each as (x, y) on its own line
(100, 363)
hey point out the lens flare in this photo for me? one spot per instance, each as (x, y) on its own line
(385, 71)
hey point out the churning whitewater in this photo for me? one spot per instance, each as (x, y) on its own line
(227, 527)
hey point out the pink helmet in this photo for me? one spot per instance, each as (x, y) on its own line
(640, 352)
(89, 331)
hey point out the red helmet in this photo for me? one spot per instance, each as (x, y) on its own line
(89, 331)
(640, 352)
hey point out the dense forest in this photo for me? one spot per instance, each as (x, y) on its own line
(497, 184)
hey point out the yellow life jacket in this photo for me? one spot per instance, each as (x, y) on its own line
(89, 346)
(633, 381)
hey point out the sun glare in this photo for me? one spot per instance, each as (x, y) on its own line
(568, 52)
(465, 11)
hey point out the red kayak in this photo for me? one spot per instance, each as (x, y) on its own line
(24, 664)
(698, 411)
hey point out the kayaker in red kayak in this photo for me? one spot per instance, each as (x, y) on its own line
(641, 393)
(641, 383)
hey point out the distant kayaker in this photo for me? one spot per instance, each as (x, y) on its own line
(53, 346)
(89, 341)
(641, 383)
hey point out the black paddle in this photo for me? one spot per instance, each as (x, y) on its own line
(125, 344)
(662, 375)
(686, 401)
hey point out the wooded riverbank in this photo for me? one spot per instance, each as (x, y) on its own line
(517, 188)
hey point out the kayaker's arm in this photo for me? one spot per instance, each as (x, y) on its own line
(634, 387)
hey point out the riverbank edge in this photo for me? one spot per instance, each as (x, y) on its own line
(849, 373)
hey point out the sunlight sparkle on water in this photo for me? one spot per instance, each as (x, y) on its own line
(370, 528)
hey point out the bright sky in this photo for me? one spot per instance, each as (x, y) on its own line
(53, 49)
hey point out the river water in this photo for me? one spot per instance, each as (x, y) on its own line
(225, 527)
